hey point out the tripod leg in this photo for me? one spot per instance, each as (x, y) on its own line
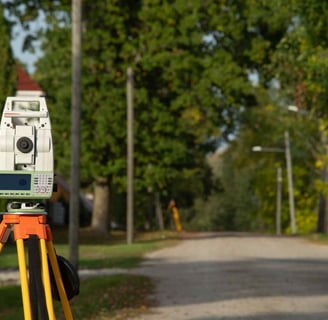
(46, 279)
(4, 234)
(23, 279)
(37, 294)
(59, 281)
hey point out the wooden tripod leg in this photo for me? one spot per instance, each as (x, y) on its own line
(59, 281)
(24, 279)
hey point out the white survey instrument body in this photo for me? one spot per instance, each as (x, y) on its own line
(26, 149)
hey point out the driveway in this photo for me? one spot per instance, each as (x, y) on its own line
(239, 277)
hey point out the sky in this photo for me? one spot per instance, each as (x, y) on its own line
(26, 58)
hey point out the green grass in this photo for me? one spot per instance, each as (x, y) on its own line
(318, 237)
(11, 303)
(95, 252)
(110, 297)
(119, 296)
(8, 257)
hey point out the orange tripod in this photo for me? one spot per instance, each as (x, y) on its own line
(35, 282)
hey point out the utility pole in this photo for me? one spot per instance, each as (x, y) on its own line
(130, 155)
(290, 183)
(289, 166)
(278, 213)
(74, 207)
(322, 226)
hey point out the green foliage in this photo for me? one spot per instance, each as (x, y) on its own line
(192, 64)
(303, 159)
(54, 76)
(189, 90)
(300, 63)
(246, 182)
(7, 63)
(313, 15)
(7, 71)
(290, 70)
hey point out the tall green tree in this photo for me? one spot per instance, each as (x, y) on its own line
(180, 100)
(269, 35)
(192, 64)
(300, 66)
(246, 181)
(109, 40)
(201, 55)
(7, 63)
(8, 75)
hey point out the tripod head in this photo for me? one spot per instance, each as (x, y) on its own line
(20, 207)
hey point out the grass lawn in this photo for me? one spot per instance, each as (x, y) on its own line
(318, 237)
(110, 297)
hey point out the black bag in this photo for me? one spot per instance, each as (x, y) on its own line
(69, 276)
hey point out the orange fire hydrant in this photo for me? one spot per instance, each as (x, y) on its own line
(175, 214)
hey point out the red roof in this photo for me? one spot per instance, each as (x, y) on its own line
(24, 81)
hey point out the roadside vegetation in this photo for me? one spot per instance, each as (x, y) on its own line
(106, 297)
(212, 80)
(318, 237)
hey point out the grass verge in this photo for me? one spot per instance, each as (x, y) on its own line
(107, 297)
(318, 238)
(122, 297)
(111, 297)
(97, 252)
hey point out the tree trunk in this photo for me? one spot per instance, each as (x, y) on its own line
(159, 212)
(322, 226)
(100, 213)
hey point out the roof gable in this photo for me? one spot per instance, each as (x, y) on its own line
(24, 81)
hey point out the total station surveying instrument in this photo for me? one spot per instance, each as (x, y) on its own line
(26, 181)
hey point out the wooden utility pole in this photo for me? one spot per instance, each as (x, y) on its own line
(322, 226)
(290, 184)
(278, 209)
(74, 207)
(130, 155)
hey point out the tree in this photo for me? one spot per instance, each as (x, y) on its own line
(177, 92)
(300, 67)
(103, 134)
(268, 34)
(192, 64)
(246, 182)
(8, 74)
(7, 62)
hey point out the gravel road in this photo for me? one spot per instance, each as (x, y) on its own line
(234, 277)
